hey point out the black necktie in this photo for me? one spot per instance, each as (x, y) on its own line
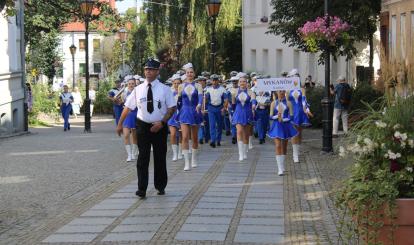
(150, 103)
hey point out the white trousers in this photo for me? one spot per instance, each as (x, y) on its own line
(344, 116)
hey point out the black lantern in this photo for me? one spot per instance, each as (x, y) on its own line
(86, 8)
(213, 9)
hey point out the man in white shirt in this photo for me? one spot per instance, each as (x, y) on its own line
(156, 104)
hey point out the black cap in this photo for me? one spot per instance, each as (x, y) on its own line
(152, 63)
(215, 77)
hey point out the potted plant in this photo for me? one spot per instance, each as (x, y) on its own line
(377, 199)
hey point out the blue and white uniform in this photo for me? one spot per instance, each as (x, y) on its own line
(243, 114)
(300, 106)
(204, 130)
(130, 120)
(117, 107)
(174, 120)
(190, 96)
(231, 92)
(215, 98)
(66, 100)
(282, 128)
(262, 113)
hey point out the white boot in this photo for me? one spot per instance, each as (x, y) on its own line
(283, 157)
(295, 153)
(134, 152)
(241, 150)
(175, 152)
(129, 152)
(245, 150)
(187, 166)
(280, 165)
(194, 158)
(250, 142)
(190, 145)
(180, 152)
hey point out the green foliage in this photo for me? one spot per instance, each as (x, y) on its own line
(102, 104)
(382, 143)
(362, 94)
(44, 101)
(289, 15)
(314, 97)
(9, 7)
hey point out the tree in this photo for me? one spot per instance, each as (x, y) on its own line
(289, 15)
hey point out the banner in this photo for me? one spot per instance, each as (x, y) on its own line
(277, 84)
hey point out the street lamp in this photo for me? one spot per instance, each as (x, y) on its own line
(178, 46)
(86, 11)
(326, 101)
(213, 9)
(72, 49)
(123, 37)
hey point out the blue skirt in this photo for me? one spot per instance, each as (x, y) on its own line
(282, 130)
(188, 115)
(301, 119)
(242, 117)
(130, 119)
(173, 121)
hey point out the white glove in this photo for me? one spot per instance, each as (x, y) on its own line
(275, 117)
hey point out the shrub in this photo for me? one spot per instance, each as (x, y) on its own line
(314, 97)
(365, 93)
(102, 104)
(44, 101)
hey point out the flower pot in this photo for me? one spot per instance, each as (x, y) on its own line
(404, 230)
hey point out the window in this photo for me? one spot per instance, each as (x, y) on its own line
(393, 37)
(96, 45)
(252, 13)
(403, 36)
(265, 60)
(82, 44)
(279, 64)
(296, 59)
(253, 59)
(82, 69)
(97, 67)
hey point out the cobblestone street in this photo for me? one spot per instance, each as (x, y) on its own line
(91, 198)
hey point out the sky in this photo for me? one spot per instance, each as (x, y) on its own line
(122, 6)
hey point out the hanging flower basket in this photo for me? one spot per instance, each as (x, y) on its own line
(324, 31)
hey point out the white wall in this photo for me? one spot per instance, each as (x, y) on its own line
(279, 57)
(11, 75)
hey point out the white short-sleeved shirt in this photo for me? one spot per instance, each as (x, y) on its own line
(163, 99)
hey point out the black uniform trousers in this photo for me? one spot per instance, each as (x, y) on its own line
(159, 144)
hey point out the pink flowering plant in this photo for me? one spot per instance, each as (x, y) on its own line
(382, 145)
(327, 30)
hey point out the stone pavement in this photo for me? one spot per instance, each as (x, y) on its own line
(222, 201)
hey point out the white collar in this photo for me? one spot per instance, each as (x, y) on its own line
(153, 83)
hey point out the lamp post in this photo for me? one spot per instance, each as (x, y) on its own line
(86, 11)
(213, 9)
(327, 101)
(178, 46)
(72, 49)
(122, 37)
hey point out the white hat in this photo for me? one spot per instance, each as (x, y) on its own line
(293, 72)
(183, 77)
(137, 77)
(241, 74)
(141, 79)
(187, 66)
(128, 77)
(176, 77)
(234, 78)
(341, 78)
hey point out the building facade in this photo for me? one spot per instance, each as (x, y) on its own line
(268, 55)
(397, 30)
(12, 78)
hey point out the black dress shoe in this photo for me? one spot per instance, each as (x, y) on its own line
(261, 141)
(218, 144)
(64, 129)
(161, 192)
(233, 140)
(68, 126)
(141, 194)
(256, 135)
(212, 144)
(201, 141)
(228, 133)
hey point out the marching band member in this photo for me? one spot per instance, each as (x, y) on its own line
(301, 114)
(281, 130)
(173, 123)
(129, 124)
(262, 114)
(66, 100)
(216, 101)
(232, 92)
(204, 131)
(190, 96)
(244, 103)
(117, 103)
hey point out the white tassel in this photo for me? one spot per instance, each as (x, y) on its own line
(194, 158)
